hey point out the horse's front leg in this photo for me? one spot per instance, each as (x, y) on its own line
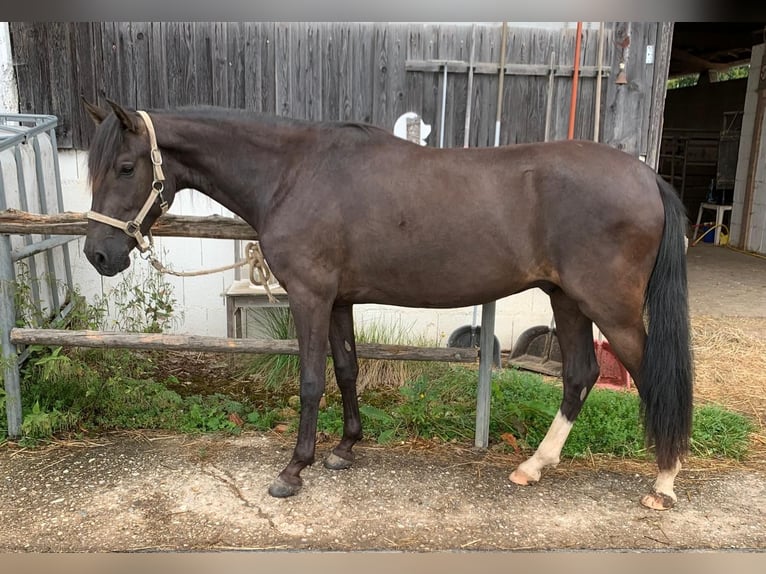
(346, 371)
(312, 319)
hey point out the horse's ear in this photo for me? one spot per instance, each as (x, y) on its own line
(126, 118)
(95, 112)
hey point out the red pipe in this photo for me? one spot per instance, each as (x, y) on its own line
(575, 79)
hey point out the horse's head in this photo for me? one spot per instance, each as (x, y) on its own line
(128, 185)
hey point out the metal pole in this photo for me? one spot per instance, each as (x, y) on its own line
(469, 99)
(487, 335)
(500, 85)
(444, 106)
(597, 120)
(549, 100)
(8, 358)
(575, 79)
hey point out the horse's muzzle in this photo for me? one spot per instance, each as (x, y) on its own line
(105, 263)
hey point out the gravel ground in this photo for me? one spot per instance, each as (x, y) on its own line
(142, 492)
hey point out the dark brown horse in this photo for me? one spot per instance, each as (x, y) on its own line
(347, 213)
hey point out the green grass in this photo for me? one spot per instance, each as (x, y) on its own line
(95, 390)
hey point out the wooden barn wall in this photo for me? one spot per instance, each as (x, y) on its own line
(340, 71)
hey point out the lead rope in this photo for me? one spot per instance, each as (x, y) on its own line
(253, 257)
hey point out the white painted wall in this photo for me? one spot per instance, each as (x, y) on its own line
(757, 233)
(201, 298)
(9, 99)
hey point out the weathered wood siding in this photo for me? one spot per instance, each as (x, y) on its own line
(342, 71)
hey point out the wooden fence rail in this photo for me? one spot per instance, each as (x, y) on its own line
(204, 344)
(13, 221)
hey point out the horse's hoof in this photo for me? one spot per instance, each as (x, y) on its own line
(282, 489)
(658, 501)
(335, 462)
(521, 478)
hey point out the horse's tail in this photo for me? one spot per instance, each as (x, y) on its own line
(667, 370)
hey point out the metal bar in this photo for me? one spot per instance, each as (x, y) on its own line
(40, 246)
(600, 60)
(444, 108)
(49, 262)
(549, 102)
(60, 205)
(500, 84)
(469, 90)
(35, 287)
(575, 81)
(8, 358)
(20, 135)
(484, 390)
(487, 335)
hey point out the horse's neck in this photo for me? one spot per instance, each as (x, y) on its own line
(237, 162)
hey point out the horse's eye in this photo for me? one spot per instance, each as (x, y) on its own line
(126, 169)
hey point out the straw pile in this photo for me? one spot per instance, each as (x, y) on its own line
(730, 369)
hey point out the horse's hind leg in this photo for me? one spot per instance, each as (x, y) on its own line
(628, 343)
(346, 371)
(580, 372)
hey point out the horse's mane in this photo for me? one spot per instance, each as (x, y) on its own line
(107, 139)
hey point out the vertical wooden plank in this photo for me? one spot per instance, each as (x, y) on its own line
(380, 78)
(82, 53)
(346, 73)
(219, 59)
(282, 70)
(59, 80)
(203, 62)
(659, 88)
(175, 64)
(252, 73)
(362, 73)
(431, 82)
(330, 74)
(413, 97)
(312, 56)
(649, 36)
(139, 37)
(125, 65)
(268, 68)
(236, 38)
(625, 102)
(110, 61)
(182, 73)
(24, 41)
(488, 50)
(158, 66)
(396, 73)
(298, 71)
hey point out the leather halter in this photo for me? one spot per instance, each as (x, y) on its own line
(133, 227)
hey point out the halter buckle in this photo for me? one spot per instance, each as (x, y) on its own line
(132, 228)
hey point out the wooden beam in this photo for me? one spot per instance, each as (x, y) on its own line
(13, 221)
(197, 343)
